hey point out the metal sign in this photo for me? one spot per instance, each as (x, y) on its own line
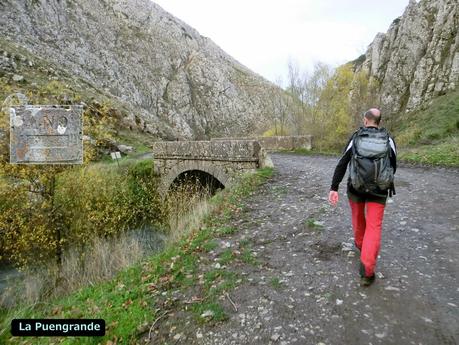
(46, 134)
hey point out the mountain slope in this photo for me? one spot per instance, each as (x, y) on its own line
(177, 83)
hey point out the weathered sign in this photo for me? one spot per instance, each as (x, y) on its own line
(46, 135)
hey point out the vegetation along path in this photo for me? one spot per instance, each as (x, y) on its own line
(302, 285)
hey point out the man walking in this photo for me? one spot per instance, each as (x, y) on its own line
(371, 155)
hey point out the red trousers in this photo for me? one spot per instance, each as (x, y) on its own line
(367, 232)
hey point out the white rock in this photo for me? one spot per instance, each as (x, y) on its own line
(207, 313)
(275, 337)
(18, 77)
(391, 288)
(339, 301)
(125, 148)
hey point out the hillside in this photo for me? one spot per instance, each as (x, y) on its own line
(174, 82)
(431, 135)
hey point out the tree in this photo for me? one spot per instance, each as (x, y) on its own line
(363, 95)
(279, 110)
(334, 109)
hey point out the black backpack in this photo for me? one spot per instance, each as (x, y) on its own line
(370, 168)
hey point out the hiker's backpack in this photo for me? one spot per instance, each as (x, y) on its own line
(370, 168)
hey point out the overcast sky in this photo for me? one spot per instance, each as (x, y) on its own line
(265, 34)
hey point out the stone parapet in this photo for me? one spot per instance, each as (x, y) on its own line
(222, 150)
(276, 143)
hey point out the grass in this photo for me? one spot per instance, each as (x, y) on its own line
(226, 256)
(430, 136)
(138, 140)
(218, 280)
(134, 298)
(276, 283)
(313, 224)
(210, 245)
(445, 153)
(218, 314)
(248, 257)
(227, 230)
(434, 124)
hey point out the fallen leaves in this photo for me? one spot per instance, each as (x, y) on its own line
(127, 303)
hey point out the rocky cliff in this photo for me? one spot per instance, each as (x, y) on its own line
(418, 58)
(177, 83)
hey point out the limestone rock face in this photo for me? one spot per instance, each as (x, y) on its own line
(418, 58)
(178, 83)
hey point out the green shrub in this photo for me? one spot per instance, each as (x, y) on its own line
(27, 234)
(85, 203)
(145, 201)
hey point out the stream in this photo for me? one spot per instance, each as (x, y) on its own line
(152, 242)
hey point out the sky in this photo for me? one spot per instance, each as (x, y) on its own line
(265, 35)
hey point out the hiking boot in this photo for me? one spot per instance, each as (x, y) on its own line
(362, 270)
(367, 281)
(364, 280)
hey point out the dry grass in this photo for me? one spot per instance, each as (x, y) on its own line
(187, 206)
(98, 262)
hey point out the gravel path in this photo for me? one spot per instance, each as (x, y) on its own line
(306, 290)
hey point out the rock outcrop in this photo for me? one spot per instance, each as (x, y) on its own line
(418, 58)
(177, 83)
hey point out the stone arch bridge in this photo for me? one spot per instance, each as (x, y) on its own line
(220, 159)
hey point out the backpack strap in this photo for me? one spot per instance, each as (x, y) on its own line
(354, 135)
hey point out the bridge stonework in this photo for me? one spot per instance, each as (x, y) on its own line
(223, 159)
(279, 143)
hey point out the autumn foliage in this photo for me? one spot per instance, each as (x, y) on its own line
(326, 103)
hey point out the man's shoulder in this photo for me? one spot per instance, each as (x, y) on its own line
(350, 141)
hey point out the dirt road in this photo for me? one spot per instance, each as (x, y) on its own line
(306, 290)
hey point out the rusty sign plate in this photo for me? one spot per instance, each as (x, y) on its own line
(46, 135)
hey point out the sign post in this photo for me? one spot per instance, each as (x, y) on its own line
(115, 156)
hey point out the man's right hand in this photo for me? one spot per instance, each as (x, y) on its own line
(333, 197)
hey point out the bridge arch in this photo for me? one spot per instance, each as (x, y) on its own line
(200, 179)
(182, 167)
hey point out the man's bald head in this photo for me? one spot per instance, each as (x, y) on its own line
(373, 116)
